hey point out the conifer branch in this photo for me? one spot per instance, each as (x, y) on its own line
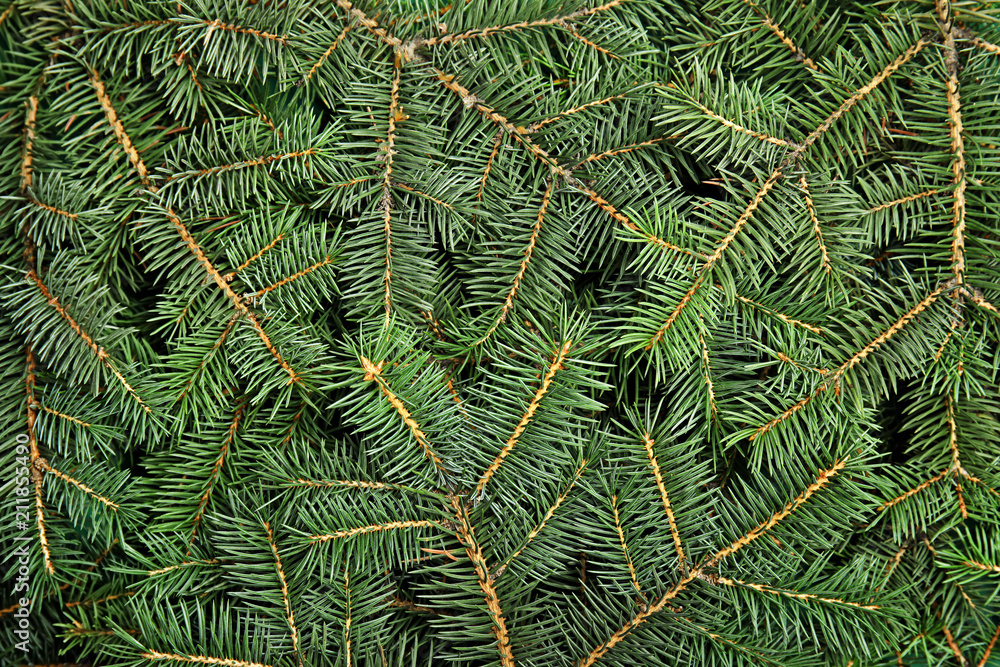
(698, 572)
(953, 645)
(793, 594)
(594, 157)
(857, 358)
(374, 528)
(185, 564)
(74, 420)
(465, 535)
(914, 491)
(858, 95)
(373, 373)
(901, 200)
(52, 209)
(561, 21)
(326, 54)
(710, 262)
(780, 34)
(986, 46)
(707, 373)
(98, 350)
(295, 276)
(7, 12)
(42, 464)
(621, 538)
(548, 514)
(243, 164)
(204, 360)
(36, 476)
(736, 127)
(369, 23)
(347, 614)
(557, 360)
(398, 602)
(216, 470)
(989, 648)
(285, 598)
(815, 222)
(534, 127)
(119, 130)
(424, 195)
(791, 362)
(29, 139)
(497, 140)
(149, 654)
(755, 655)
(95, 601)
(986, 567)
(233, 296)
(260, 34)
(821, 481)
(781, 316)
(386, 202)
(957, 143)
(648, 443)
(257, 255)
(522, 269)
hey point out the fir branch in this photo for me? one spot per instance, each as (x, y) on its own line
(557, 360)
(791, 362)
(497, 140)
(548, 514)
(243, 164)
(27, 155)
(185, 564)
(736, 127)
(424, 195)
(52, 209)
(810, 207)
(855, 359)
(707, 373)
(821, 481)
(74, 420)
(295, 276)
(594, 157)
(474, 552)
(233, 296)
(958, 164)
(289, 614)
(36, 458)
(986, 46)
(213, 477)
(386, 202)
(260, 34)
(373, 373)
(42, 464)
(257, 255)
(119, 130)
(989, 648)
(902, 200)
(561, 21)
(793, 594)
(858, 95)
(149, 654)
(714, 257)
(347, 614)
(621, 539)
(326, 54)
(534, 127)
(369, 23)
(98, 350)
(781, 316)
(914, 491)
(648, 443)
(525, 260)
(374, 528)
(780, 34)
(953, 645)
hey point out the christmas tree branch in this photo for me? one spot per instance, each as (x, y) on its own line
(914, 491)
(902, 200)
(150, 654)
(437, 201)
(74, 420)
(52, 209)
(475, 553)
(289, 614)
(993, 641)
(525, 260)
(594, 157)
(714, 257)
(621, 539)
(213, 477)
(781, 316)
(326, 54)
(257, 255)
(648, 443)
(810, 207)
(185, 564)
(792, 594)
(737, 127)
(295, 276)
(557, 360)
(386, 203)
(42, 464)
(373, 528)
(534, 127)
(373, 373)
(780, 34)
(27, 155)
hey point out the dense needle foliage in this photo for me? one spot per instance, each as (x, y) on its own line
(535, 332)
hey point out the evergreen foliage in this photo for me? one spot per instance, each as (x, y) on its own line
(533, 332)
